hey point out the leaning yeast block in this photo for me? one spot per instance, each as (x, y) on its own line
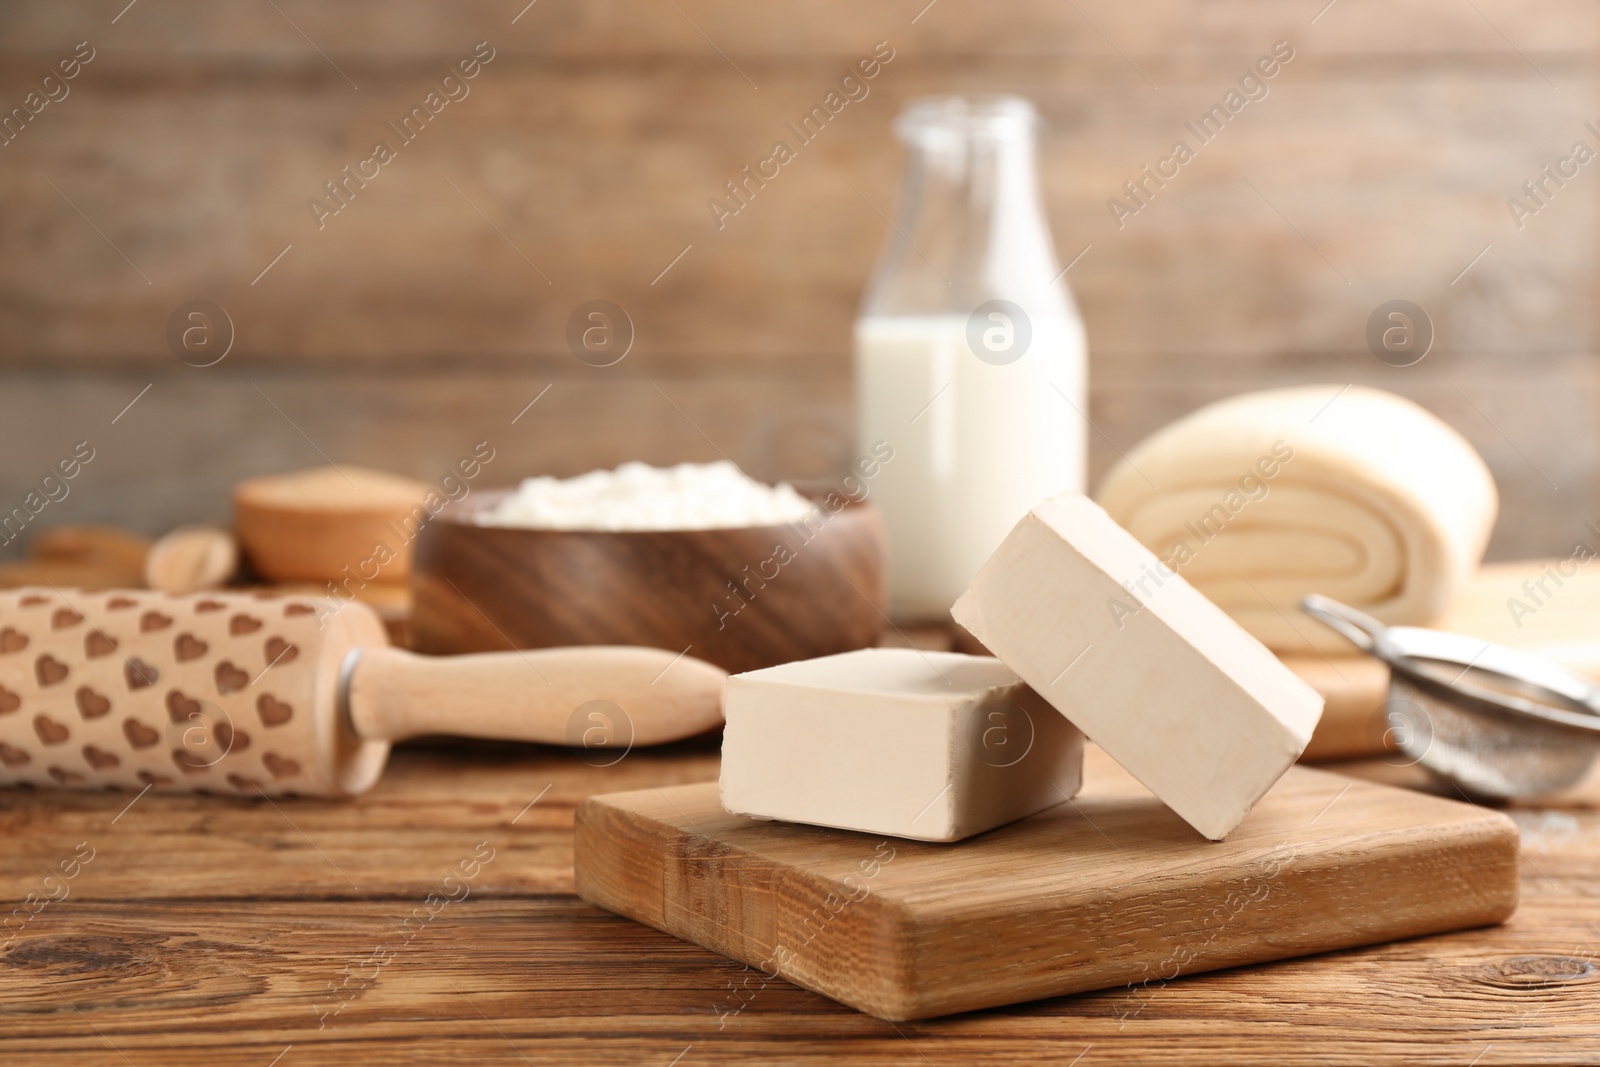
(1170, 686)
(934, 746)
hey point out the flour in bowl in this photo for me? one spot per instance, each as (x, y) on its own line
(636, 496)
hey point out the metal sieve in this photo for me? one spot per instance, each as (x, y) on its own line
(1495, 722)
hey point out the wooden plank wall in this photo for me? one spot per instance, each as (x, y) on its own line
(426, 314)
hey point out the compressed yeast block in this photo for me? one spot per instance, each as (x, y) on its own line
(1172, 688)
(933, 746)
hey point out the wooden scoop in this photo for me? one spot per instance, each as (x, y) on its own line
(249, 693)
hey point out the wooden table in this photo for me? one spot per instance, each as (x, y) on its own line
(432, 921)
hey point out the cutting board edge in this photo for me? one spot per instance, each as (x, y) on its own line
(1488, 862)
(598, 868)
(890, 934)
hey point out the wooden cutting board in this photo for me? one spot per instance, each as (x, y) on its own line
(1560, 621)
(1110, 889)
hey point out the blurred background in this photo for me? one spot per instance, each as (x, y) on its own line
(429, 312)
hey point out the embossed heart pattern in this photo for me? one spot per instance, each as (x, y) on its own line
(248, 693)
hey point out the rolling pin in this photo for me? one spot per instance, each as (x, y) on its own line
(253, 693)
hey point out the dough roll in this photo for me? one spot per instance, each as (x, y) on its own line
(1350, 492)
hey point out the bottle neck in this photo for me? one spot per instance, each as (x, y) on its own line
(971, 227)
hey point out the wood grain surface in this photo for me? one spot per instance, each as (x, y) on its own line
(208, 932)
(1108, 890)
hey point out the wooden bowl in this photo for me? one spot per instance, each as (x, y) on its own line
(328, 524)
(741, 598)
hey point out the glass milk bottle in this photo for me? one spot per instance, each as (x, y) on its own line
(969, 352)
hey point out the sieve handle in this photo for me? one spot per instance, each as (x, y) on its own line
(1359, 629)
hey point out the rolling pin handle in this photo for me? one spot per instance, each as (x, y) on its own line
(389, 694)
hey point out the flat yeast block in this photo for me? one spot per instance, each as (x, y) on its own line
(1172, 688)
(933, 746)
